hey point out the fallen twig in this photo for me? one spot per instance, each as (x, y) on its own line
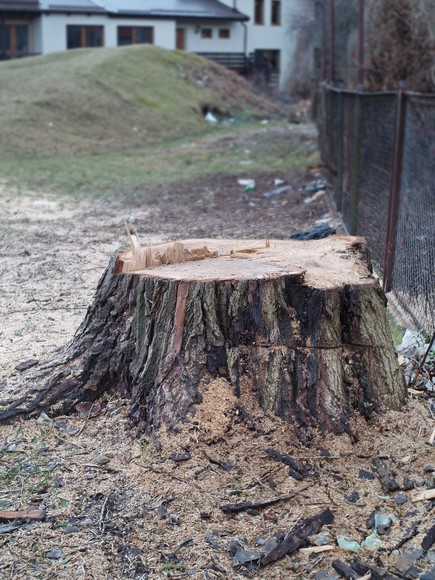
(36, 515)
(423, 360)
(424, 495)
(298, 536)
(429, 539)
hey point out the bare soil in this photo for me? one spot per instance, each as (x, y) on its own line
(119, 506)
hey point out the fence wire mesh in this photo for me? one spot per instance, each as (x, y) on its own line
(414, 265)
(357, 135)
(377, 132)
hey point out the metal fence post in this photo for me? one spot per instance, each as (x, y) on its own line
(395, 187)
(356, 164)
(340, 148)
(361, 71)
(331, 41)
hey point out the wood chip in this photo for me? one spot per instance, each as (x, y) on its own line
(22, 515)
(298, 536)
(425, 495)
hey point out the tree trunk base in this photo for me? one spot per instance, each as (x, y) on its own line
(301, 324)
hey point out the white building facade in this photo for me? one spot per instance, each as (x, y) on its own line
(241, 34)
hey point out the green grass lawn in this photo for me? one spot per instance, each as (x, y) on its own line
(107, 121)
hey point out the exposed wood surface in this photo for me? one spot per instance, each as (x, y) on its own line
(22, 515)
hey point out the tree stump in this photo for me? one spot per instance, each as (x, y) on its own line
(303, 323)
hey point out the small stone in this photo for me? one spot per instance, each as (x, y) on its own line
(70, 529)
(408, 483)
(363, 474)
(431, 556)
(101, 459)
(320, 575)
(429, 468)
(352, 497)
(401, 498)
(233, 546)
(55, 554)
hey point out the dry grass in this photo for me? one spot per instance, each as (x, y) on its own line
(401, 45)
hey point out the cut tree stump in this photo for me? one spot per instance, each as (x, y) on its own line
(300, 323)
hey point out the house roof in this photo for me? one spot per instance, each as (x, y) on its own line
(185, 9)
(19, 5)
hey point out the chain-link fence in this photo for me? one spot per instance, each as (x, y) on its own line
(381, 148)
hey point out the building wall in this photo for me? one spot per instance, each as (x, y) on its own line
(53, 28)
(295, 38)
(195, 42)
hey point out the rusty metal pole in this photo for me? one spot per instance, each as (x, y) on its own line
(361, 70)
(324, 35)
(395, 187)
(331, 41)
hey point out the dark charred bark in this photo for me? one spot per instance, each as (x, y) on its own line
(313, 355)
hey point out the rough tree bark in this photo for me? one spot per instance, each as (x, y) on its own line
(303, 322)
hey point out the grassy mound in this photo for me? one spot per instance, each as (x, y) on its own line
(95, 100)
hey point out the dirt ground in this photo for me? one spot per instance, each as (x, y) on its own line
(121, 507)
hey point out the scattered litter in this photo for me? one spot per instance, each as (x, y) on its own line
(317, 195)
(278, 191)
(247, 184)
(371, 542)
(210, 118)
(348, 545)
(5, 529)
(317, 233)
(264, 122)
(315, 186)
(278, 181)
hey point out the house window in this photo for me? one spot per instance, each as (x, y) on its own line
(14, 40)
(224, 33)
(84, 36)
(276, 13)
(206, 33)
(259, 12)
(135, 35)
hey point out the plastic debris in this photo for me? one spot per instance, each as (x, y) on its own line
(349, 545)
(371, 542)
(210, 118)
(315, 186)
(317, 233)
(278, 191)
(248, 184)
(278, 182)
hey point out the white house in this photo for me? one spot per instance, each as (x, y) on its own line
(233, 32)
